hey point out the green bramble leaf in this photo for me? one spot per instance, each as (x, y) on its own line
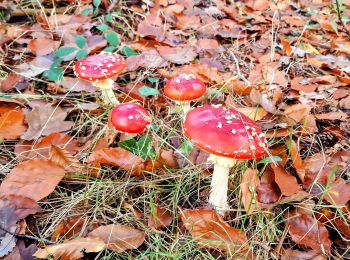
(80, 41)
(55, 74)
(113, 38)
(128, 52)
(147, 91)
(64, 51)
(102, 27)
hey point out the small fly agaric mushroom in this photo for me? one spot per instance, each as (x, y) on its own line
(227, 136)
(130, 119)
(100, 69)
(183, 89)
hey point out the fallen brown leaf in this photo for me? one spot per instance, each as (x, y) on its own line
(254, 113)
(12, 124)
(210, 231)
(72, 249)
(338, 193)
(287, 183)
(297, 113)
(70, 227)
(64, 159)
(26, 150)
(177, 55)
(118, 157)
(137, 213)
(160, 218)
(307, 231)
(297, 161)
(34, 179)
(268, 191)
(44, 120)
(119, 237)
(41, 47)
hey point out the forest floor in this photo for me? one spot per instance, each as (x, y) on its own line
(71, 189)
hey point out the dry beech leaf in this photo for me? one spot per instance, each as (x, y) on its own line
(210, 231)
(41, 47)
(70, 227)
(177, 55)
(12, 124)
(20, 252)
(290, 254)
(65, 159)
(34, 179)
(137, 213)
(118, 157)
(338, 193)
(250, 180)
(160, 218)
(268, 191)
(254, 113)
(44, 120)
(297, 161)
(72, 249)
(119, 237)
(307, 231)
(287, 183)
(28, 150)
(297, 113)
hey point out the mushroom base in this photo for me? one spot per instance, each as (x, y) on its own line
(219, 182)
(185, 106)
(106, 88)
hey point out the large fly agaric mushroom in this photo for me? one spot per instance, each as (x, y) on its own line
(130, 119)
(227, 136)
(100, 69)
(183, 89)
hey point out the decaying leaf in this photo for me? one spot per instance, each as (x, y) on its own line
(177, 55)
(287, 183)
(307, 231)
(250, 181)
(12, 124)
(268, 191)
(160, 218)
(119, 237)
(44, 120)
(338, 193)
(34, 179)
(72, 249)
(65, 159)
(118, 157)
(210, 231)
(70, 227)
(26, 150)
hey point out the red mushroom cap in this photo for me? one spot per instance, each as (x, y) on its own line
(184, 87)
(130, 118)
(99, 66)
(225, 132)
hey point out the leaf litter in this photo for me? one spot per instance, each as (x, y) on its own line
(289, 72)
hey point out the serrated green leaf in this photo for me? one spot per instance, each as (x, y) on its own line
(109, 49)
(147, 91)
(87, 11)
(80, 41)
(56, 63)
(96, 3)
(102, 27)
(270, 159)
(64, 51)
(108, 18)
(128, 52)
(186, 147)
(113, 38)
(153, 79)
(81, 54)
(55, 74)
(334, 26)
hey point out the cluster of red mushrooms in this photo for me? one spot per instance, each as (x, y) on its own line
(224, 133)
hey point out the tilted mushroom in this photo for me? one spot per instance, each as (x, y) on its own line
(227, 136)
(130, 119)
(183, 89)
(100, 69)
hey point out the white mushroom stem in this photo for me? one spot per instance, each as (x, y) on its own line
(106, 88)
(126, 136)
(219, 182)
(185, 106)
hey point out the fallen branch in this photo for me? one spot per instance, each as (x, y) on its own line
(30, 237)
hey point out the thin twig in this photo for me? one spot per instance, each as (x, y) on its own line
(347, 32)
(238, 69)
(24, 236)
